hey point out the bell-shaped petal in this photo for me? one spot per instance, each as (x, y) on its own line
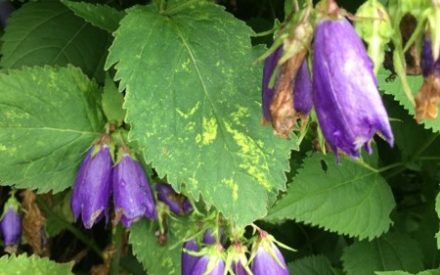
(188, 261)
(91, 191)
(11, 224)
(131, 191)
(269, 260)
(346, 99)
(178, 204)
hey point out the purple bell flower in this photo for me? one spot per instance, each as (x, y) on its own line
(268, 259)
(237, 260)
(346, 99)
(131, 191)
(178, 204)
(11, 224)
(302, 91)
(188, 261)
(91, 192)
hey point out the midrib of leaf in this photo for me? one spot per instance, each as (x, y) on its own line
(54, 129)
(69, 42)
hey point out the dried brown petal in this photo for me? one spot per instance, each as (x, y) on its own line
(428, 98)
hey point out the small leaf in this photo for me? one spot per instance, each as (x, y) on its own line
(48, 119)
(393, 251)
(48, 33)
(346, 198)
(101, 16)
(112, 101)
(313, 265)
(192, 99)
(392, 86)
(22, 265)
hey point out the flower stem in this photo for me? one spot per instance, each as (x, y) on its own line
(117, 238)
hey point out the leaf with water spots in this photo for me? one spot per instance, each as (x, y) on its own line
(193, 101)
(48, 119)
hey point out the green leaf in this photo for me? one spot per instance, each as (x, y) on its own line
(48, 33)
(101, 16)
(392, 86)
(32, 265)
(346, 198)
(48, 119)
(313, 265)
(157, 259)
(393, 251)
(112, 101)
(426, 272)
(192, 99)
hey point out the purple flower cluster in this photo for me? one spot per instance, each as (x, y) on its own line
(343, 91)
(214, 260)
(97, 179)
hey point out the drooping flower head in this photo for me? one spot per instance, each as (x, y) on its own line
(267, 258)
(131, 191)
(178, 204)
(236, 260)
(188, 260)
(92, 190)
(346, 99)
(11, 223)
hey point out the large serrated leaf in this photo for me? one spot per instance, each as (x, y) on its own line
(192, 99)
(158, 259)
(101, 16)
(393, 86)
(48, 33)
(346, 198)
(23, 265)
(313, 265)
(393, 251)
(48, 119)
(426, 272)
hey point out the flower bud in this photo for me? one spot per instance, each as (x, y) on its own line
(268, 259)
(11, 224)
(188, 261)
(347, 102)
(131, 191)
(91, 191)
(211, 263)
(178, 204)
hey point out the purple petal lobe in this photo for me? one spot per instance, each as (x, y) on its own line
(91, 191)
(428, 64)
(302, 97)
(188, 261)
(348, 105)
(11, 227)
(265, 264)
(238, 269)
(268, 92)
(131, 192)
(178, 204)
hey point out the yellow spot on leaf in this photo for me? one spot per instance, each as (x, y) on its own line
(252, 158)
(190, 112)
(209, 131)
(234, 187)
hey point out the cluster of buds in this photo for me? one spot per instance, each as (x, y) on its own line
(212, 258)
(343, 90)
(11, 224)
(99, 178)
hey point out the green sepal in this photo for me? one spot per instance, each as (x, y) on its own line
(13, 203)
